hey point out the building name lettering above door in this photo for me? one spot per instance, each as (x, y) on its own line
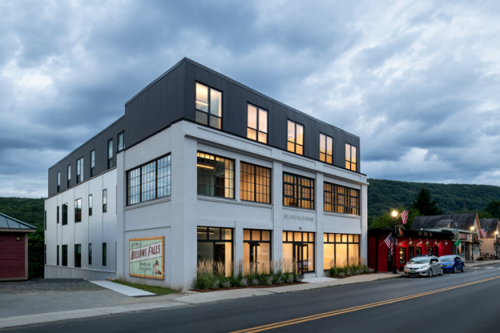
(298, 217)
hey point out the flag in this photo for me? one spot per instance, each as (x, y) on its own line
(484, 233)
(404, 215)
(388, 242)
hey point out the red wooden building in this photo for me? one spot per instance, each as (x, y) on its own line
(14, 248)
(411, 244)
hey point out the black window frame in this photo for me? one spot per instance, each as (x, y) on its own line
(91, 204)
(139, 195)
(105, 200)
(45, 254)
(255, 166)
(78, 256)
(64, 212)
(78, 210)
(92, 163)
(64, 255)
(260, 240)
(257, 129)
(90, 254)
(335, 242)
(286, 233)
(79, 170)
(216, 187)
(295, 144)
(58, 181)
(104, 254)
(209, 110)
(121, 146)
(326, 148)
(68, 169)
(334, 196)
(356, 169)
(57, 213)
(214, 241)
(57, 256)
(295, 187)
(109, 153)
(45, 219)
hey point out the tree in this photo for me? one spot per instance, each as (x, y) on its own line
(387, 221)
(36, 254)
(424, 203)
(493, 208)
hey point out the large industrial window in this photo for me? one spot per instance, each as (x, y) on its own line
(295, 138)
(256, 251)
(298, 191)
(341, 199)
(215, 247)
(149, 181)
(92, 163)
(69, 175)
(65, 214)
(78, 255)
(78, 210)
(326, 148)
(215, 176)
(65, 255)
(91, 204)
(104, 200)
(90, 253)
(208, 113)
(104, 254)
(340, 250)
(257, 124)
(110, 153)
(57, 214)
(79, 170)
(298, 251)
(121, 141)
(58, 181)
(255, 183)
(350, 157)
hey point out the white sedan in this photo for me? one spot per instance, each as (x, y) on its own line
(423, 266)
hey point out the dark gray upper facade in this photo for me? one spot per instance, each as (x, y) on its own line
(171, 98)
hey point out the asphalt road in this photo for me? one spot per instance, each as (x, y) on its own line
(461, 302)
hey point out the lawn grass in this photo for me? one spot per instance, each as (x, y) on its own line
(151, 289)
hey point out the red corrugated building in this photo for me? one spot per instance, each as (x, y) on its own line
(14, 248)
(411, 244)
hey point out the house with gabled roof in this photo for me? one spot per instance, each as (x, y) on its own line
(491, 228)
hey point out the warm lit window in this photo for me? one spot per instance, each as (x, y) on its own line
(149, 181)
(350, 157)
(208, 113)
(340, 250)
(79, 170)
(326, 148)
(295, 138)
(256, 251)
(92, 163)
(121, 141)
(255, 183)
(78, 210)
(110, 153)
(215, 176)
(298, 191)
(341, 199)
(257, 124)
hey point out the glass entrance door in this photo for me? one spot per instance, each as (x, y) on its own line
(300, 253)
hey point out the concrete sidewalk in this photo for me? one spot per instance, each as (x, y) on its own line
(122, 289)
(481, 263)
(185, 299)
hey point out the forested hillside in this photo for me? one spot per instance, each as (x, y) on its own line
(24, 209)
(386, 194)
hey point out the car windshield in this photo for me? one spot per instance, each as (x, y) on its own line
(447, 258)
(419, 261)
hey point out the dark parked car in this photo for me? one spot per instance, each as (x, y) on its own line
(452, 263)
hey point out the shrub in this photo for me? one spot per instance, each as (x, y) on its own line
(341, 274)
(269, 281)
(348, 271)
(226, 284)
(255, 282)
(289, 279)
(244, 282)
(215, 284)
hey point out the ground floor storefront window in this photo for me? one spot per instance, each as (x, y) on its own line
(215, 248)
(340, 250)
(256, 251)
(298, 251)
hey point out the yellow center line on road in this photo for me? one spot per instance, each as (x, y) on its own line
(357, 308)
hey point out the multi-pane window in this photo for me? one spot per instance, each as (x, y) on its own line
(78, 255)
(65, 214)
(110, 153)
(58, 181)
(104, 254)
(255, 183)
(104, 200)
(326, 148)
(121, 141)
(150, 181)
(340, 250)
(91, 204)
(208, 106)
(65, 255)
(57, 214)
(298, 251)
(256, 251)
(295, 138)
(92, 163)
(215, 176)
(298, 191)
(257, 124)
(69, 175)
(215, 246)
(78, 210)
(90, 253)
(79, 170)
(350, 157)
(341, 199)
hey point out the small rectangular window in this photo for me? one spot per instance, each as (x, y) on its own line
(104, 254)
(79, 170)
(295, 138)
(350, 157)
(45, 219)
(57, 214)
(298, 191)
(215, 176)
(78, 210)
(65, 214)
(57, 255)
(208, 106)
(121, 141)
(69, 175)
(257, 124)
(65, 255)
(90, 204)
(90, 253)
(325, 148)
(92, 163)
(110, 153)
(255, 183)
(104, 200)
(58, 181)
(78, 255)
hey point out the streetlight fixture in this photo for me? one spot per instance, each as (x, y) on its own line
(471, 243)
(395, 269)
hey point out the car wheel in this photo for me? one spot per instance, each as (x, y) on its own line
(430, 273)
(454, 269)
(462, 270)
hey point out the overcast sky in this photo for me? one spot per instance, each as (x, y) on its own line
(418, 81)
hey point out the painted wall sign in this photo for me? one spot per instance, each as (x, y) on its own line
(298, 217)
(146, 257)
